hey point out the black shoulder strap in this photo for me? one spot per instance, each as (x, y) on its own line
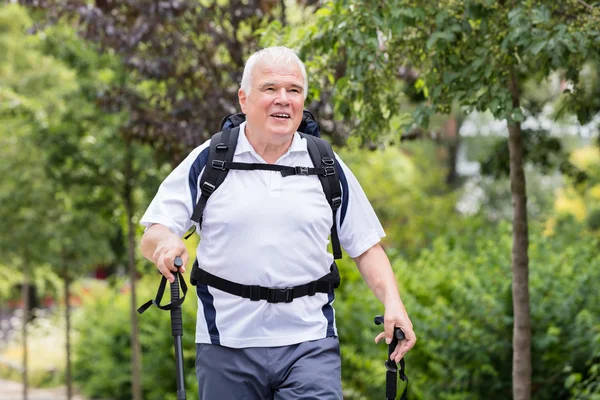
(322, 156)
(222, 149)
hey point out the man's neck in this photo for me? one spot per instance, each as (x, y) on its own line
(270, 149)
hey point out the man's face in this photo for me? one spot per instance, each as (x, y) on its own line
(276, 100)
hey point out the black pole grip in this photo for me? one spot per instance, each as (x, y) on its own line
(391, 384)
(177, 330)
(397, 331)
(176, 319)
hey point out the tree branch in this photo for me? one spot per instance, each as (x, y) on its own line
(589, 7)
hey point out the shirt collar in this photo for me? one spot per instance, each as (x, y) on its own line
(244, 146)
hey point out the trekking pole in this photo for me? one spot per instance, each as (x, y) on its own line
(176, 321)
(177, 331)
(391, 384)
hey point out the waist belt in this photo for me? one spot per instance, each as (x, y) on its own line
(271, 295)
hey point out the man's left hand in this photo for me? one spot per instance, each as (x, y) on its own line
(396, 317)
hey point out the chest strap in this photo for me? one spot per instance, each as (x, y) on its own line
(271, 295)
(283, 169)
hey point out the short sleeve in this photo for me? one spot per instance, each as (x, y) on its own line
(174, 203)
(359, 228)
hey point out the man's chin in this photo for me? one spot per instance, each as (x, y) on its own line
(283, 129)
(282, 132)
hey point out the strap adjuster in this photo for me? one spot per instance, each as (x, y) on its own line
(301, 170)
(207, 189)
(312, 288)
(328, 171)
(221, 147)
(336, 202)
(218, 164)
(327, 161)
(277, 295)
(254, 294)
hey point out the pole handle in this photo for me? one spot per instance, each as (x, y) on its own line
(398, 334)
(176, 318)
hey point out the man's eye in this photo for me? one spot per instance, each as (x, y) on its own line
(269, 89)
(295, 91)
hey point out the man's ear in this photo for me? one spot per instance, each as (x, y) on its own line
(242, 99)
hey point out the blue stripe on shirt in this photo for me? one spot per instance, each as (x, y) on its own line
(345, 194)
(210, 313)
(207, 300)
(328, 313)
(194, 175)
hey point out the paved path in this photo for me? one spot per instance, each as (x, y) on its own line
(10, 390)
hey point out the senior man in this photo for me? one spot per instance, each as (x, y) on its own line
(261, 228)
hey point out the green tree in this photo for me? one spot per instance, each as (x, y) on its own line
(474, 53)
(105, 171)
(28, 101)
(182, 62)
(56, 216)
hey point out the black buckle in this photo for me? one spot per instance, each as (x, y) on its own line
(254, 294)
(221, 147)
(207, 189)
(328, 171)
(312, 288)
(327, 161)
(336, 202)
(218, 164)
(277, 295)
(301, 170)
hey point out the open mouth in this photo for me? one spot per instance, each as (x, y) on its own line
(281, 116)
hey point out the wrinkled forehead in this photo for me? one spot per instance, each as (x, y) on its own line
(277, 71)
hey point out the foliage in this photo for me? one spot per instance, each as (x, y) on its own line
(461, 307)
(460, 303)
(103, 353)
(464, 53)
(184, 61)
(580, 199)
(29, 101)
(403, 185)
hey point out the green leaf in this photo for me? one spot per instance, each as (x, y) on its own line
(538, 47)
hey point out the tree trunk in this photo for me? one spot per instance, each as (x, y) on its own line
(521, 373)
(136, 386)
(452, 139)
(282, 18)
(67, 292)
(25, 299)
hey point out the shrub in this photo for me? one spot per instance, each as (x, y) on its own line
(102, 367)
(458, 294)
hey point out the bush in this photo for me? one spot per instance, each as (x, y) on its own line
(102, 366)
(458, 294)
(404, 187)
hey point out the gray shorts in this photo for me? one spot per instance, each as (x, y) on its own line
(309, 370)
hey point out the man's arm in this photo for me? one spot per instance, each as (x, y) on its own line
(376, 270)
(161, 246)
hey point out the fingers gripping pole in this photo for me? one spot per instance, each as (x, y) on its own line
(391, 383)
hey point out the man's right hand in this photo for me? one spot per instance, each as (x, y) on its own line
(167, 246)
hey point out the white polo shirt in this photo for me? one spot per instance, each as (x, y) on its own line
(260, 228)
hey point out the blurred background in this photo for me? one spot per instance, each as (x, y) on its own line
(472, 125)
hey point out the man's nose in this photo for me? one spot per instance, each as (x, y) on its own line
(282, 97)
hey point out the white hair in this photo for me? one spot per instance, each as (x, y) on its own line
(278, 55)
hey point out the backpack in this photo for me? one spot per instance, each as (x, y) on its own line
(220, 161)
